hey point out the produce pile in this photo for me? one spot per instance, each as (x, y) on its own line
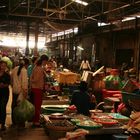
(113, 82)
(62, 123)
(85, 122)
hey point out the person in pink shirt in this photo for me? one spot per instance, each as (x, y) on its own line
(37, 82)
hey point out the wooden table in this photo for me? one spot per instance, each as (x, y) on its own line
(107, 130)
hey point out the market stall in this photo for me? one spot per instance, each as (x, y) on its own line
(97, 125)
(101, 124)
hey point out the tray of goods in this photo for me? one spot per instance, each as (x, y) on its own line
(52, 97)
(119, 117)
(79, 117)
(96, 111)
(58, 116)
(54, 109)
(75, 121)
(101, 116)
(60, 125)
(106, 121)
(88, 124)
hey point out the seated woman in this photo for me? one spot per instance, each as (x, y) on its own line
(82, 100)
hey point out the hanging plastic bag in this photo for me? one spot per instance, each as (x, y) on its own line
(24, 111)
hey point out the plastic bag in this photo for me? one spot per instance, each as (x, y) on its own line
(24, 111)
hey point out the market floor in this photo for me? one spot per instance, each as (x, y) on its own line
(27, 133)
(24, 134)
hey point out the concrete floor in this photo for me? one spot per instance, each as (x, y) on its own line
(24, 134)
(27, 133)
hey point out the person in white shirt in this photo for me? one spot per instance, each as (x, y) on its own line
(19, 79)
(85, 65)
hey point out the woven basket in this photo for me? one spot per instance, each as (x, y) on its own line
(56, 132)
(53, 127)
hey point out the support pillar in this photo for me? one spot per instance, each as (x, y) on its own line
(27, 39)
(36, 39)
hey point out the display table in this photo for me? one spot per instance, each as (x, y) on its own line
(107, 130)
(67, 77)
(105, 133)
(101, 133)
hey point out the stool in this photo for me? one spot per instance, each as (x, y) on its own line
(120, 137)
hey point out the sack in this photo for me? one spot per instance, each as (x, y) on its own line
(24, 111)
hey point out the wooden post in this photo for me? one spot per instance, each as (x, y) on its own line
(27, 39)
(36, 39)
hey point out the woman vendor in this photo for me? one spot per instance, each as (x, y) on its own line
(82, 100)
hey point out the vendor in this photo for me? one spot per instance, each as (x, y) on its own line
(82, 100)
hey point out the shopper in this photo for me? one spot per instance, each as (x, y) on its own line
(31, 66)
(29, 72)
(37, 83)
(82, 100)
(4, 92)
(19, 80)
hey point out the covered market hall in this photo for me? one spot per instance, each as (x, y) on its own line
(70, 69)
